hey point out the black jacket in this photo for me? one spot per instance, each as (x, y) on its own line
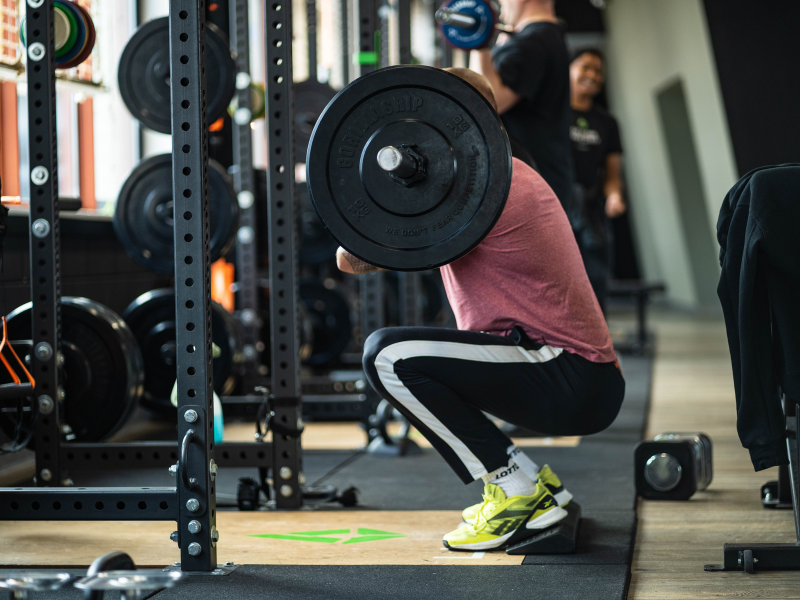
(758, 231)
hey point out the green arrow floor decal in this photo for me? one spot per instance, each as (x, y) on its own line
(361, 535)
(372, 535)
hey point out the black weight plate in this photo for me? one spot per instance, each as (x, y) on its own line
(316, 244)
(432, 298)
(143, 219)
(151, 318)
(329, 316)
(468, 163)
(144, 80)
(310, 99)
(103, 373)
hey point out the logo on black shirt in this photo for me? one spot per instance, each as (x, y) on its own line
(581, 134)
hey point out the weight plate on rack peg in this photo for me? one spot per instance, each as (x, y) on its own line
(442, 180)
(103, 371)
(258, 102)
(328, 314)
(143, 219)
(310, 99)
(144, 78)
(88, 46)
(151, 317)
(316, 244)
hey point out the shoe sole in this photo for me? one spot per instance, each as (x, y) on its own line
(488, 545)
(548, 519)
(563, 497)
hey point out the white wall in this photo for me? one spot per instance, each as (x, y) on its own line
(115, 131)
(651, 43)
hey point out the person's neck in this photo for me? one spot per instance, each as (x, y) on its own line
(536, 15)
(581, 102)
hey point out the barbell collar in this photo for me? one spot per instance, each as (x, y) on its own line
(397, 162)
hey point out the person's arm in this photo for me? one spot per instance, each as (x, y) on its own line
(348, 263)
(612, 187)
(505, 97)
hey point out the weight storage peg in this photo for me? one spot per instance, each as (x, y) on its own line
(409, 168)
(673, 466)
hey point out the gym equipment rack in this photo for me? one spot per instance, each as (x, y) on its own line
(245, 185)
(754, 557)
(193, 499)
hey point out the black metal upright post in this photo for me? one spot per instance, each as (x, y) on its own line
(44, 236)
(286, 401)
(371, 287)
(311, 31)
(368, 24)
(404, 30)
(344, 18)
(197, 533)
(409, 282)
(444, 52)
(245, 185)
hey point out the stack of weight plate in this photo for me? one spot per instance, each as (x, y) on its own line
(75, 35)
(144, 219)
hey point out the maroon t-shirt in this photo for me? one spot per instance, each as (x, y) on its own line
(528, 271)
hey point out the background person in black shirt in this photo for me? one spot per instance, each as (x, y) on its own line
(529, 74)
(597, 154)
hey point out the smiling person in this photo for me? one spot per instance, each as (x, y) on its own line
(532, 348)
(597, 154)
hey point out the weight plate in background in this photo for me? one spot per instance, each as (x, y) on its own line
(316, 244)
(86, 51)
(328, 313)
(432, 298)
(143, 219)
(467, 162)
(103, 371)
(144, 80)
(310, 99)
(469, 38)
(151, 318)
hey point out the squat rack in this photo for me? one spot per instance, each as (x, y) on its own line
(192, 503)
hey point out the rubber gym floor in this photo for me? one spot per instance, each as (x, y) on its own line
(390, 545)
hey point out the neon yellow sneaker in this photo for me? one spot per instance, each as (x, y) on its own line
(547, 477)
(554, 485)
(501, 521)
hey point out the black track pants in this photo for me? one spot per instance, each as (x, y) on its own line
(442, 380)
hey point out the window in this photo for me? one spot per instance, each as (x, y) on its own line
(9, 33)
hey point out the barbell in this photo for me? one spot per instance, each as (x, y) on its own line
(409, 168)
(470, 24)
